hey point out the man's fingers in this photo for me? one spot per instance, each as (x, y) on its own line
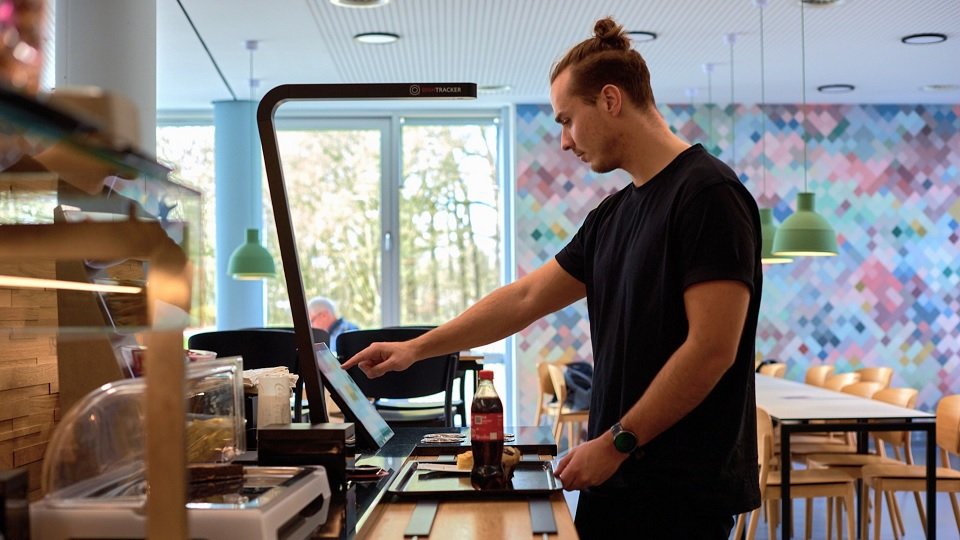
(365, 359)
(372, 370)
(564, 461)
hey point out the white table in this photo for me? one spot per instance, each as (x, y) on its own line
(793, 405)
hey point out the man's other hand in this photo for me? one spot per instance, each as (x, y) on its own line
(589, 464)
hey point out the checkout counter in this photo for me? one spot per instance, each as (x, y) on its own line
(303, 481)
(406, 499)
(380, 508)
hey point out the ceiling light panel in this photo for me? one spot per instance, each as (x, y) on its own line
(377, 38)
(360, 3)
(924, 38)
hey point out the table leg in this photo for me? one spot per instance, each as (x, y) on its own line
(785, 504)
(931, 481)
(859, 495)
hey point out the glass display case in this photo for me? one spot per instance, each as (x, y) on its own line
(96, 455)
(96, 251)
(94, 474)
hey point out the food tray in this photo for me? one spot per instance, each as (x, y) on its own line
(530, 479)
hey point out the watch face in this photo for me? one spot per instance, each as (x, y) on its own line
(625, 442)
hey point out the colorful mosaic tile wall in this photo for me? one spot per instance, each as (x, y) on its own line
(887, 177)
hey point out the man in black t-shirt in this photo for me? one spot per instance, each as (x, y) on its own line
(670, 268)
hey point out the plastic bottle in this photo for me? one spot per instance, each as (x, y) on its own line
(486, 435)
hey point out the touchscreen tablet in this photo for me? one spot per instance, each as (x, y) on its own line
(372, 431)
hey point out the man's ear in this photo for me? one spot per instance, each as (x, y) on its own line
(611, 98)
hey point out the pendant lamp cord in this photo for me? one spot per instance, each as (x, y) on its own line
(803, 81)
(763, 113)
(708, 69)
(252, 47)
(710, 103)
(733, 108)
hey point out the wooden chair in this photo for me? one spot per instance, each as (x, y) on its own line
(546, 399)
(804, 484)
(864, 389)
(884, 478)
(837, 381)
(898, 440)
(563, 414)
(854, 463)
(816, 375)
(876, 374)
(832, 442)
(809, 443)
(776, 369)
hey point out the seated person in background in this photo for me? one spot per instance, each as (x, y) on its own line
(323, 315)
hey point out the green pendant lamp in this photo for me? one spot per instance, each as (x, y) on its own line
(806, 233)
(768, 227)
(251, 260)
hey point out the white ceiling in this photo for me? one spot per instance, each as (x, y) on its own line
(515, 42)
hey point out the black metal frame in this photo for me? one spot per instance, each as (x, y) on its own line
(862, 427)
(269, 104)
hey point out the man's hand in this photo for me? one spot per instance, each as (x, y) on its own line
(590, 464)
(380, 358)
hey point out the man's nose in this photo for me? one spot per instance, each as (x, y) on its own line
(566, 142)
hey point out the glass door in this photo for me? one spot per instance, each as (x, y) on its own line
(333, 173)
(450, 249)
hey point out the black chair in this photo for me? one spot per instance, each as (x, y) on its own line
(319, 334)
(260, 348)
(459, 378)
(424, 378)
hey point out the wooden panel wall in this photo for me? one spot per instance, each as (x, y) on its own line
(29, 387)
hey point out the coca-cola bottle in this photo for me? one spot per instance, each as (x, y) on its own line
(486, 435)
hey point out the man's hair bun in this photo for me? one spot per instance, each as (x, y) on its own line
(610, 34)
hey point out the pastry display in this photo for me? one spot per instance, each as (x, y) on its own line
(210, 439)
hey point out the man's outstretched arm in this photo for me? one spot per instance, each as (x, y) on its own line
(501, 313)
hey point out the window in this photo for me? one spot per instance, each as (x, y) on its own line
(188, 150)
(401, 220)
(410, 240)
(333, 176)
(450, 226)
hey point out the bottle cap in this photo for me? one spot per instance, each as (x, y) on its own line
(485, 374)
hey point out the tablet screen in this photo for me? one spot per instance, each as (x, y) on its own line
(372, 431)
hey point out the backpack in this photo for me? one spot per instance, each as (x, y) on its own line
(579, 379)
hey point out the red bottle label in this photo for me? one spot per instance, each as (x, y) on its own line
(486, 426)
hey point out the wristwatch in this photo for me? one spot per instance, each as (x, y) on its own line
(624, 441)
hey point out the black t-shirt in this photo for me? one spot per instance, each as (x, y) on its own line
(636, 253)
